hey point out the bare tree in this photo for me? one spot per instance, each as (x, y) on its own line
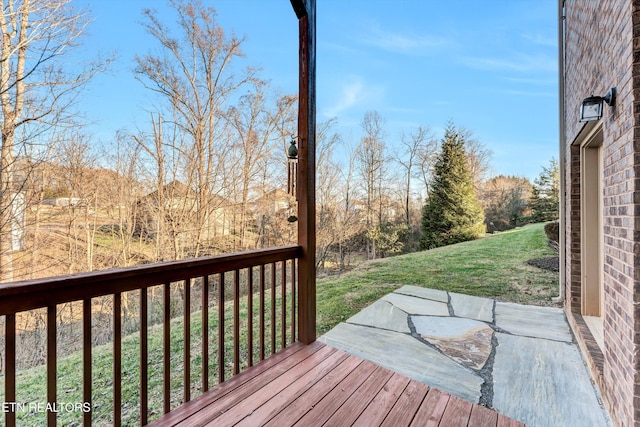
(77, 167)
(36, 90)
(478, 159)
(256, 137)
(122, 209)
(371, 162)
(415, 151)
(193, 76)
(505, 201)
(327, 193)
(349, 221)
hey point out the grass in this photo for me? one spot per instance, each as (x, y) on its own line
(493, 266)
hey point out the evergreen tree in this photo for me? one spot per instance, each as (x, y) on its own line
(545, 197)
(452, 213)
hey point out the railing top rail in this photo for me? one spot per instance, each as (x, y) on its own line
(31, 294)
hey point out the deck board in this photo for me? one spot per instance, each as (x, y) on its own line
(322, 410)
(229, 404)
(407, 405)
(264, 392)
(317, 384)
(457, 413)
(382, 403)
(430, 412)
(261, 409)
(358, 402)
(289, 414)
(482, 417)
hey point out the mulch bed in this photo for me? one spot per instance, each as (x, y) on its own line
(549, 263)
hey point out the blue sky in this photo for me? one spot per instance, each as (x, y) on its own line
(487, 65)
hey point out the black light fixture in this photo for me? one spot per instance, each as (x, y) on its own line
(591, 107)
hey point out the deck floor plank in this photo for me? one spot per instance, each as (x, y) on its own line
(431, 410)
(457, 413)
(504, 421)
(275, 377)
(382, 403)
(318, 385)
(357, 402)
(407, 405)
(298, 408)
(261, 409)
(483, 417)
(321, 412)
(317, 362)
(180, 413)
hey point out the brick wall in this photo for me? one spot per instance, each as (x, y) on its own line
(602, 50)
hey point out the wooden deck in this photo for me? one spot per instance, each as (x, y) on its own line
(318, 385)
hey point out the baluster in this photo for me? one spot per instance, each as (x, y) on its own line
(10, 364)
(117, 359)
(283, 312)
(250, 316)
(221, 327)
(166, 356)
(187, 340)
(205, 333)
(293, 300)
(144, 357)
(236, 322)
(51, 363)
(262, 287)
(273, 307)
(87, 382)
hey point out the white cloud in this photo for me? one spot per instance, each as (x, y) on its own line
(533, 81)
(541, 40)
(353, 92)
(530, 93)
(403, 43)
(519, 62)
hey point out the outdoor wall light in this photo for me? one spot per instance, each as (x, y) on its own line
(591, 107)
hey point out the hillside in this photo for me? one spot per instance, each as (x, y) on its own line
(493, 266)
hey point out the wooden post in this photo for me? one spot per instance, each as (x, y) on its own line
(306, 13)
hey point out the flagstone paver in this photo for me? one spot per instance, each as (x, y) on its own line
(532, 321)
(413, 305)
(543, 383)
(472, 307)
(406, 355)
(525, 364)
(466, 341)
(444, 327)
(426, 293)
(383, 315)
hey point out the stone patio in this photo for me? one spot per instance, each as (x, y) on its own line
(520, 360)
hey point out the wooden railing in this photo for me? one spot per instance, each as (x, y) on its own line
(259, 281)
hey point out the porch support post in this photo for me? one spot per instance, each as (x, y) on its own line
(306, 13)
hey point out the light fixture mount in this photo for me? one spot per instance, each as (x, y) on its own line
(591, 107)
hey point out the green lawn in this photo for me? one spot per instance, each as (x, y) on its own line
(493, 266)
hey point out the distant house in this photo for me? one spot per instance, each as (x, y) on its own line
(18, 221)
(600, 193)
(273, 215)
(174, 210)
(273, 202)
(62, 202)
